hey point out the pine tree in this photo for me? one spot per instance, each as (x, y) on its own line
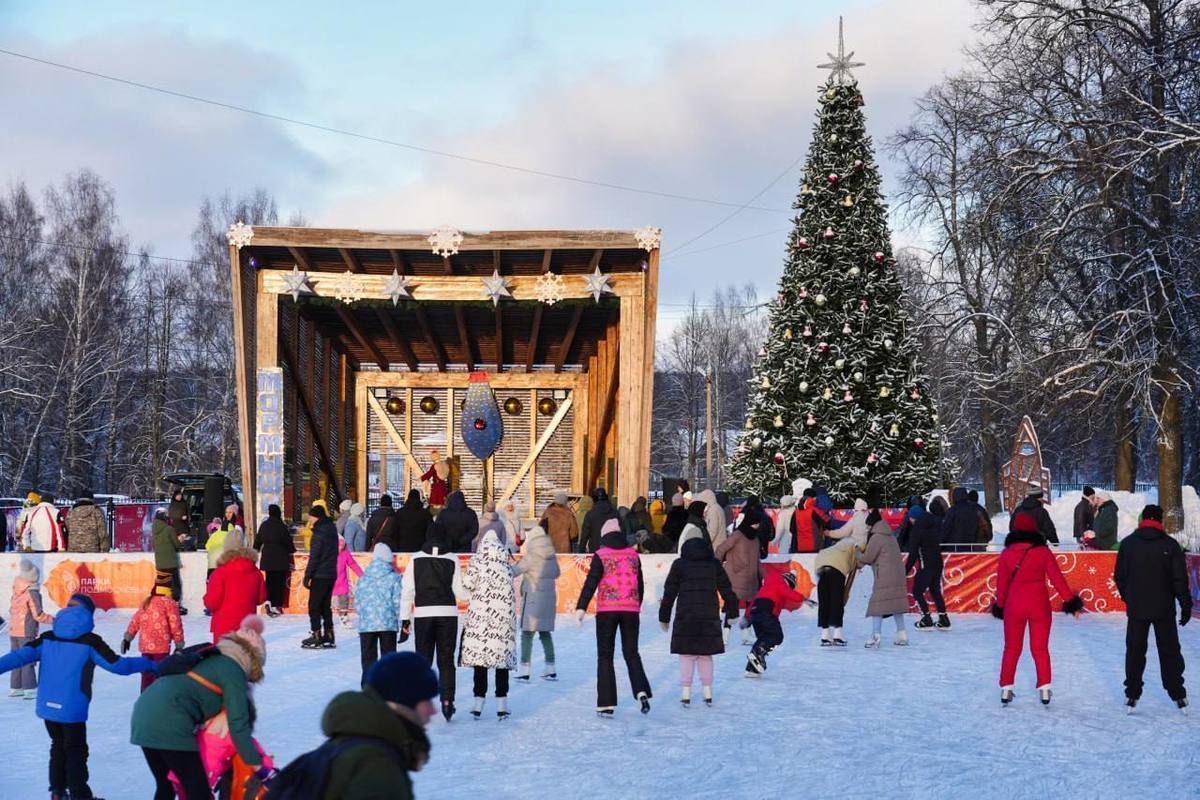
(838, 393)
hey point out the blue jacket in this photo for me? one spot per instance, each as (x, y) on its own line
(69, 656)
(377, 598)
(355, 535)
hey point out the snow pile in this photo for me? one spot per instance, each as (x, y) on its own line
(1062, 512)
(1190, 538)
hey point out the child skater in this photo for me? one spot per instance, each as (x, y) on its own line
(26, 614)
(695, 579)
(378, 596)
(157, 623)
(341, 586)
(615, 578)
(69, 655)
(778, 594)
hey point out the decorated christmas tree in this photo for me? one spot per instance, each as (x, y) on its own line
(838, 393)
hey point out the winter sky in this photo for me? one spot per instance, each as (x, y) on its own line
(706, 99)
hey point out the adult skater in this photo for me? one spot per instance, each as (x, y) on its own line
(741, 554)
(87, 526)
(676, 521)
(355, 532)
(889, 595)
(1085, 513)
(460, 522)
(167, 544)
(1104, 525)
(695, 580)
(1034, 505)
(1151, 575)
(379, 524)
(432, 589)
(558, 521)
(783, 523)
(489, 640)
(1023, 600)
(378, 596)
(615, 578)
(69, 655)
(808, 523)
(925, 552)
(406, 531)
(275, 547)
(539, 600)
(592, 528)
(835, 565)
(778, 594)
(319, 578)
(236, 589)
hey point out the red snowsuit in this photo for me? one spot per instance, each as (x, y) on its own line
(806, 523)
(1021, 591)
(782, 596)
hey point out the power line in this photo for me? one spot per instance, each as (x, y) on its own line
(389, 142)
(726, 244)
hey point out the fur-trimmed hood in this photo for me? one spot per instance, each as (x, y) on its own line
(249, 655)
(231, 555)
(1032, 538)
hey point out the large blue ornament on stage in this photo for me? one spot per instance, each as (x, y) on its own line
(482, 426)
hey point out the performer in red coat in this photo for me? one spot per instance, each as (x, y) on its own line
(1022, 599)
(438, 476)
(236, 588)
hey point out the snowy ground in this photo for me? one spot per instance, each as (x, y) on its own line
(924, 721)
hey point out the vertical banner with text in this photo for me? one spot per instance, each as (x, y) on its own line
(268, 438)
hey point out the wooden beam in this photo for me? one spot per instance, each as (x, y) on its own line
(568, 339)
(389, 325)
(606, 418)
(248, 446)
(542, 441)
(439, 353)
(500, 339)
(449, 288)
(448, 264)
(468, 350)
(634, 419)
(534, 330)
(276, 236)
(361, 454)
(533, 438)
(349, 260)
(365, 341)
(546, 256)
(301, 258)
(398, 261)
(594, 264)
(306, 404)
(409, 477)
(650, 313)
(579, 441)
(390, 428)
(504, 381)
(266, 330)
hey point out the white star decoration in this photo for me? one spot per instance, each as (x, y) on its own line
(396, 287)
(648, 238)
(347, 288)
(597, 284)
(549, 288)
(495, 287)
(445, 241)
(296, 283)
(840, 65)
(240, 234)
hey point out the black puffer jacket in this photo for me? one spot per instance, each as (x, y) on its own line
(380, 525)
(961, 524)
(925, 536)
(1151, 574)
(593, 522)
(677, 517)
(274, 543)
(461, 522)
(692, 586)
(1036, 509)
(409, 525)
(323, 551)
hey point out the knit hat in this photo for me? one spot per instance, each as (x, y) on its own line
(231, 509)
(611, 526)
(1152, 512)
(1035, 489)
(163, 579)
(677, 500)
(215, 525)
(246, 647)
(382, 552)
(84, 601)
(345, 505)
(403, 678)
(234, 540)
(317, 511)
(356, 509)
(560, 498)
(860, 505)
(1024, 523)
(33, 498)
(28, 571)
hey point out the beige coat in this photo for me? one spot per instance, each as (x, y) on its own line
(890, 593)
(561, 526)
(739, 554)
(714, 517)
(842, 556)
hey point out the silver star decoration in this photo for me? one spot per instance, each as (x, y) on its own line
(841, 64)
(396, 287)
(296, 283)
(597, 284)
(496, 287)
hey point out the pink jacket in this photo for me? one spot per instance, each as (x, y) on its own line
(618, 590)
(26, 610)
(217, 750)
(345, 563)
(156, 626)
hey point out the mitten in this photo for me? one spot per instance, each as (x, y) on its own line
(261, 778)
(1073, 606)
(666, 626)
(1184, 616)
(307, 582)
(744, 622)
(725, 629)
(579, 615)
(997, 611)
(405, 630)
(124, 646)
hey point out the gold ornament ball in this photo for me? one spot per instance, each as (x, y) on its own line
(395, 405)
(547, 406)
(429, 405)
(513, 406)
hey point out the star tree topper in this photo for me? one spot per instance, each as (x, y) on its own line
(495, 287)
(597, 284)
(396, 287)
(841, 64)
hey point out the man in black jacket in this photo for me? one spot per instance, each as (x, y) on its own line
(1034, 506)
(1085, 513)
(431, 589)
(960, 526)
(319, 577)
(461, 522)
(410, 523)
(1151, 575)
(379, 524)
(593, 522)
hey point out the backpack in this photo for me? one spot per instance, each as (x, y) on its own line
(184, 661)
(306, 776)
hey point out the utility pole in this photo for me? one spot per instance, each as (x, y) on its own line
(708, 427)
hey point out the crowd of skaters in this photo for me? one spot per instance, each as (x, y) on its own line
(194, 720)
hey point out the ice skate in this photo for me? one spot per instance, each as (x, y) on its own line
(1006, 696)
(943, 623)
(838, 639)
(17, 693)
(448, 709)
(756, 663)
(327, 642)
(313, 642)
(644, 699)
(901, 639)
(873, 642)
(925, 623)
(1044, 694)
(549, 673)
(605, 712)
(477, 709)
(31, 694)
(747, 637)
(1182, 705)
(523, 672)
(272, 611)
(685, 697)
(502, 712)
(707, 691)
(826, 637)
(1130, 704)
(345, 618)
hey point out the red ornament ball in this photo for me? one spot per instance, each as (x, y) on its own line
(480, 424)
(779, 459)
(879, 258)
(833, 179)
(801, 243)
(859, 166)
(919, 444)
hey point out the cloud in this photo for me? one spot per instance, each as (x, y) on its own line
(161, 154)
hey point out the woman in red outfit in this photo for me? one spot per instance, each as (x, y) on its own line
(236, 589)
(1022, 599)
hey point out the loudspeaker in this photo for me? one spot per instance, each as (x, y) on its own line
(214, 498)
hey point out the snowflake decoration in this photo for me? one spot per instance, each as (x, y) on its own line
(549, 288)
(648, 238)
(445, 241)
(296, 283)
(240, 234)
(495, 287)
(1091, 570)
(396, 287)
(346, 288)
(597, 284)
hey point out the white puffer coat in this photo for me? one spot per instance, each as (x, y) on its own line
(490, 628)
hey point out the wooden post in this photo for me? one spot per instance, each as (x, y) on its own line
(631, 424)
(650, 331)
(409, 477)
(580, 440)
(247, 448)
(533, 440)
(360, 439)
